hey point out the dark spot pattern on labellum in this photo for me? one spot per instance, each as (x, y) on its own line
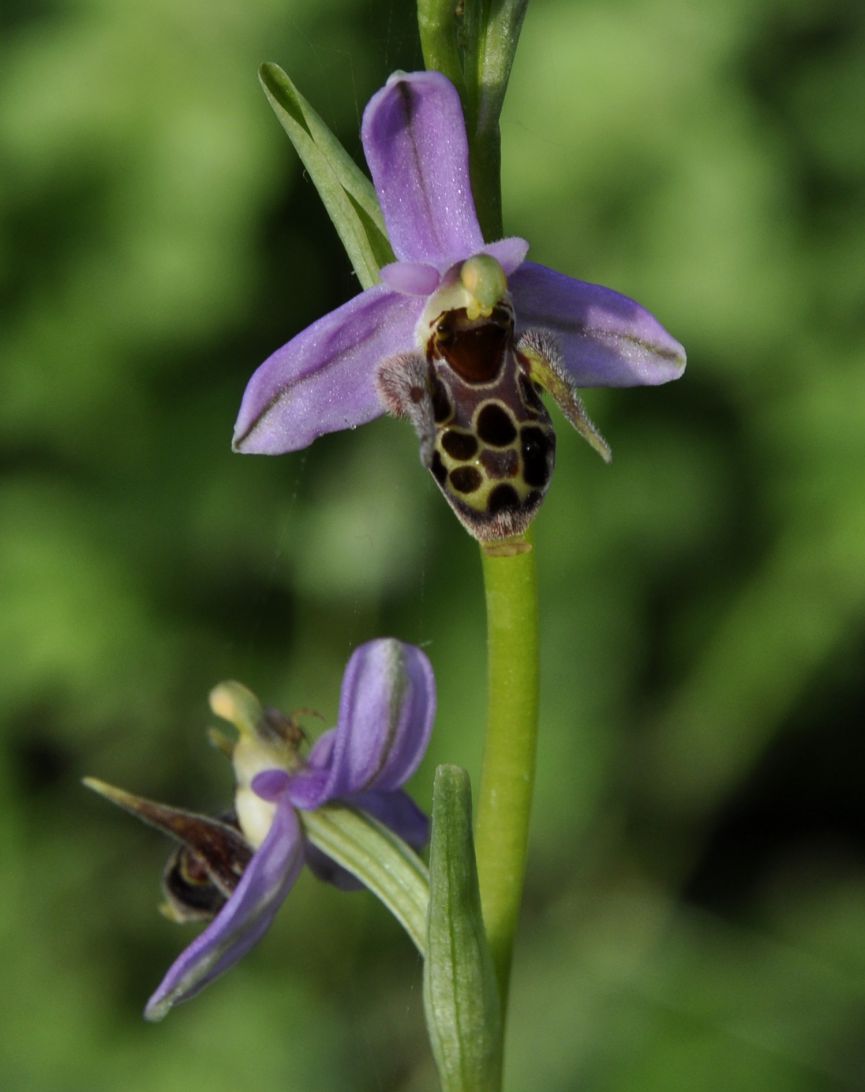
(495, 425)
(466, 479)
(460, 445)
(502, 498)
(489, 442)
(442, 406)
(438, 469)
(536, 451)
(531, 397)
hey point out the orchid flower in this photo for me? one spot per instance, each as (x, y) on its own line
(242, 867)
(459, 337)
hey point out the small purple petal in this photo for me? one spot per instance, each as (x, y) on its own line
(271, 784)
(510, 253)
(414, 137)
(308, 787)
(386, 712)
(606, 339)
(411, 278)
(243, 920)
(323, 380)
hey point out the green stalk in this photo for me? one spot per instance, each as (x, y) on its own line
(508, 769)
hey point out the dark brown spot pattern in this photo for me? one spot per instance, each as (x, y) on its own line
(460, 445)
(442, 406)
(495, 425)
(531, 397)
(438, 469)
(494, 445)
(536, 447)
(466, 479)
(502, 498)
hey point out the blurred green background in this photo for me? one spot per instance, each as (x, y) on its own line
(695, 915)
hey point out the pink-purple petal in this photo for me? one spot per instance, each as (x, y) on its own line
(510, 253)
(307, 788)
(411, 278)
(271, 784)
(243, 920)
(606, 339)
(387, 706)
(323, 380)
(414, 137)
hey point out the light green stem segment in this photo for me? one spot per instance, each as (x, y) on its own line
(508, 770)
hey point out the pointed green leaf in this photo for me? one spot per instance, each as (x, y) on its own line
(379, 858)
(346, 192)
(460, 992)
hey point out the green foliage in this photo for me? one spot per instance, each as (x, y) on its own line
(345, 191)
(696, 890)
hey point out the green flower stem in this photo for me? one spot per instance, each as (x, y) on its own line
(486, 166)
(508, 770)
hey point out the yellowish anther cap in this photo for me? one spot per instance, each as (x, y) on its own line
(233, 702)
(486, 284)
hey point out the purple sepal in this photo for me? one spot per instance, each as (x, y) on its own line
(414, 138)
(323, 380)
(243, 920)
(510, 253)
(606, 339)
(386, 710)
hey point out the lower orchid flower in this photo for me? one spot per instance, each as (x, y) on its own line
(461, 336)
(242, 867)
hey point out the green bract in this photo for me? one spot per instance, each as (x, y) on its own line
(459, 983)
(345, 190)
